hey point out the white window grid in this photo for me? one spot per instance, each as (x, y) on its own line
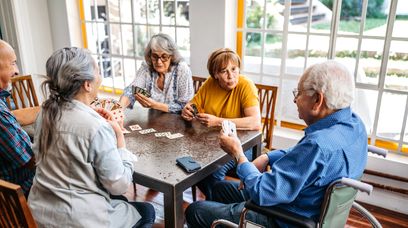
(333, 35)
(110, 81)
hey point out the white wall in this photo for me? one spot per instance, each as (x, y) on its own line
(212, 26)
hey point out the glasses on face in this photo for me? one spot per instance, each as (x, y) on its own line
(296, 92)
(163, 58)
(224, 72)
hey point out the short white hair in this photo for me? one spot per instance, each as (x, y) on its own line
(333, 80)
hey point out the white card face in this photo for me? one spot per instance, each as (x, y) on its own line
(229, 127)
(162, 134)
(175, 136)
(135, 127)
(147, 131)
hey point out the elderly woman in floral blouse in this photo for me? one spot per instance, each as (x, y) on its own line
(165, 76)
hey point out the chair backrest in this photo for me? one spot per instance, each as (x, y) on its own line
(14, 211)
(198, 82)
(23, 92)
(267, 102)
(336, 205)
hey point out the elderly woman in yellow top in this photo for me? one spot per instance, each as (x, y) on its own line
(226, 95)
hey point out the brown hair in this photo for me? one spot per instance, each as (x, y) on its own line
(220, 58)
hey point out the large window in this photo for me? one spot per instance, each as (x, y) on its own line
(117, 31)
(278, 39)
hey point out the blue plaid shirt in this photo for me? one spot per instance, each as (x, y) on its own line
(15, 148)
(333, 147)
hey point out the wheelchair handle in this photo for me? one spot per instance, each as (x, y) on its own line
(377, 150)
(357, 185)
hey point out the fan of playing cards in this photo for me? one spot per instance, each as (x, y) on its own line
(111, 105)
(229, 127)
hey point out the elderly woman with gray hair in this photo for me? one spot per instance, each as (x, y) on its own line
(165, 76)
(80, 153)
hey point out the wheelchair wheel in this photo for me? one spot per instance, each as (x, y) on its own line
(365, 216)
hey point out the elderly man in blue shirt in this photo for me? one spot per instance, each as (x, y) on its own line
(334, 146)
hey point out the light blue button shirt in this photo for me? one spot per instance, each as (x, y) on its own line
(333, 147)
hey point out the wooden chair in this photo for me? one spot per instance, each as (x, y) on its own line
(267, 102)
(198, 82)
(23, 93)
(14, 211)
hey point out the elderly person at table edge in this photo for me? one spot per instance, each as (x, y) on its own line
(164, 75)
(81, 153)
(334, 146)
(226, 95)
(16, 157)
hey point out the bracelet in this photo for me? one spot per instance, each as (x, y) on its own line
(239, 157)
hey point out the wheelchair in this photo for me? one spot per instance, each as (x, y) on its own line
(337, 203)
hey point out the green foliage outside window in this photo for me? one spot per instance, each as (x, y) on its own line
(352, 8)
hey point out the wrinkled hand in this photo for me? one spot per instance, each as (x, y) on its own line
(230, 144)
(209, 120)
(115, 125)
(145, 101)
(104, 113)
(187, 112)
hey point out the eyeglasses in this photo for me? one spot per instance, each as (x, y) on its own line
(163, 58)
(297, 91)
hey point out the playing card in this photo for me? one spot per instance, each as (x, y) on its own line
(195, 109)
(147, 131)
(175, 136)
(229, 127)
(135, 127)
(136, 89)
(162, 134)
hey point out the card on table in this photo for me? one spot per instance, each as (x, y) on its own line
(175, 136)
(162, 134)
(147, 131)
(135, 127)
(229, 127)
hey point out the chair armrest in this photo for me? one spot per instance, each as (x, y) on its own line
(281, 214)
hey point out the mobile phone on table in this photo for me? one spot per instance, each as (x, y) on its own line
(188, 164)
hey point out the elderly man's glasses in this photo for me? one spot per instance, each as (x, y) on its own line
(296, 91)
(163, 58)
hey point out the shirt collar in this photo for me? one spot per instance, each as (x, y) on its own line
(329, 120)
(4, 93)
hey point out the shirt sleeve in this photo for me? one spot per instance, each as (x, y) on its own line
(140, 81)
(274, 155)
(288, 176)
(15, 145)
(184, 88)
(113, 172)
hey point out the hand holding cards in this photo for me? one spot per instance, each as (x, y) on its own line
(144, 92)
(111, 105)
(229, 127)
(195, 109)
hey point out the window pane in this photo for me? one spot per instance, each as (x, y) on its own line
(350, 17)
(370, 61)
(346, 52)
(171, 31)
(153, 12)
(289, 108)
(183, 41)
(153, 30)
(401, 21)
(318, 49)
(89, 10)
(182, 13)
(254, 13)
(91, 37)
(116, 39)
(274, 12)
(126, 11)
(273, 54)
(296, 54)
(397, 68)
(376, 20)
(253, 53)
(117, 69)
(139, 12)
(129, 66)
(141, 39)
(113, 10)
(321, 17)
(364, 104)
(391, 115)
(127, 40)
(168, 12)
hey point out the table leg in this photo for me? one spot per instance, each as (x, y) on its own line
(173, 209)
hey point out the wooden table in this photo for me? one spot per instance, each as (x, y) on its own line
(156, 167)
